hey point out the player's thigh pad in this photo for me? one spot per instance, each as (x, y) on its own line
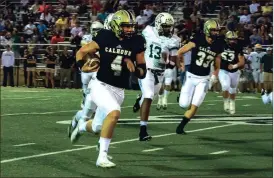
(186, 92)
(107, 97)
(147, 85)
(224, 79)
(200, 92)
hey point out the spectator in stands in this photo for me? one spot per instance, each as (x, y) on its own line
(187, 10)
(96, 7)
(15, 39)
(73, 20)
(29, 30)
(64, 13)
(44, 7)
(267, 9)
(232, 23)
(66, 62)
(253, 7)
(195, 15)
(8, 25)
(102, 16)
(141, 20)
(50, 60)
(47, 17)
(42, 28)
(75, 31)
(2, 25)
(8, 61)
(263, 33)
(148, 11)
(255, 38)
(6, 40)
(62, 23)
(234, 11)
(24, 3)
(35, 7)
(137, 8)
(10, 15)
(245, 18)
(210, 6)
(56, 38)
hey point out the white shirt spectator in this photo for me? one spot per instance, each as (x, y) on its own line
(141, 20)
(245, 19)
(7, 59)
(253, 8)
(24, 2)
(148, 13)
(122, 2)
(76, 31)
(4, 41)
(29, 29)
(46, 17)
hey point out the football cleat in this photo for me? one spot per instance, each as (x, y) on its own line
(70, 127)
(136, 106)
(164, 103)
(226, 106)
(159, 104)
(102, 161)
(75, 135)
(143, 135)
(180, 129)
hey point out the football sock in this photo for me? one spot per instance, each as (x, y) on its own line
(184, 121)
(104, 144)
(143, 123)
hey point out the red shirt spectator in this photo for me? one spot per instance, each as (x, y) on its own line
(44, 7)
(56, 39)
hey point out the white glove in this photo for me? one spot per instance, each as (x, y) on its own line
(212, 81)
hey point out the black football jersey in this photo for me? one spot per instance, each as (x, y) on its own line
(230, 56)
(203, 54)
(31, 58)
(113, 69)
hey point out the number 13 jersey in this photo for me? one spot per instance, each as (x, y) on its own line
(113, 70)
(156, 46)
(203, 54)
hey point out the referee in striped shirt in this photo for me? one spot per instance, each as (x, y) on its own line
(7, 60)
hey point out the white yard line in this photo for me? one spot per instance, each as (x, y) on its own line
(31, 97)
(151, 150)
(219, 152)
(113, 143)
(24, 144)
(246, 105)
(54, 112)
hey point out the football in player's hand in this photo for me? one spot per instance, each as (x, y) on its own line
(92, 63)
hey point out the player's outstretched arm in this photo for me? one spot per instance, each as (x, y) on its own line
(91, 47)
(141, 69)
(186, 48)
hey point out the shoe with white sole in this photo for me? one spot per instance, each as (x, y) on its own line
(75, 135)
(226, 106)
(164, 102)
(70, 127)
(103, 161)
(98, 149)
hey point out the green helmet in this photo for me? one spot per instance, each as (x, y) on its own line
(120, 19)
(209, 26)
(231, 38)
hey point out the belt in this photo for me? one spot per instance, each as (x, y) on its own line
(156, 73)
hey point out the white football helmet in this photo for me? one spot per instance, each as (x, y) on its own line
(95, 27)
(107, 21)
(164, 23)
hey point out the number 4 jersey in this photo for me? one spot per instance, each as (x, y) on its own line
(203, 54)
(156, 46)
(230, 56)
(113, 70)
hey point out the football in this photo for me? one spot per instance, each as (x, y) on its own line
(92, 63)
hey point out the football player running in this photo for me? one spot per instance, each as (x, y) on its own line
(255, 58)
(158, 48)
(117, 56)
(232, 60)
(205, 50)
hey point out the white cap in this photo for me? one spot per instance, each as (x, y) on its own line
(269, 49)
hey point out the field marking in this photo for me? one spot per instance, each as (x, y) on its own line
(211, 104)
(24, 144)
(113, 143)
(123, 107)
(81, 145)
(154, 149)
(246, 105)
(30, 97)
(219, 152)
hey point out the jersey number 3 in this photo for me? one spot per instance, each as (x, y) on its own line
(204, 60)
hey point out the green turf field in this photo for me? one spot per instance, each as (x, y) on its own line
(34, 141)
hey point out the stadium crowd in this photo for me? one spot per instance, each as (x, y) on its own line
(52, 31)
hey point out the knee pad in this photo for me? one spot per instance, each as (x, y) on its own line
(232, 90)
(225, 87)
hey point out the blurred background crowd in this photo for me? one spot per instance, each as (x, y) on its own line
(52, 30)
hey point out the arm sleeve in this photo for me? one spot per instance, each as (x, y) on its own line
(140, 44)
